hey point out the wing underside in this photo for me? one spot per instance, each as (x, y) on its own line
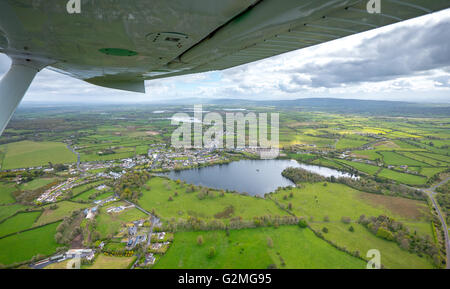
(120, 44)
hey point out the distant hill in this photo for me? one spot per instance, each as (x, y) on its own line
(369, 107)
(333, 105)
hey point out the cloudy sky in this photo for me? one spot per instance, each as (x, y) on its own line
(409, 61)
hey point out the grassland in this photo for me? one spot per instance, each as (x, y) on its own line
(392, 256)
(82, 188)
(443, 159)
(337, 200)
(9, 210)
(367, 154)
(108, 224)
(6, 190)
(108, 262)
(19, 222)
(29, 154)
(429, 172)
(59, 265)
(424, 159)
(85, 196)
(37, 183)
(22, 247)
(317, 202)
(366, 168)
(188, 203)
(250, 249)
(346, 143)
(63, 209)
(393, 158)
(402, 177)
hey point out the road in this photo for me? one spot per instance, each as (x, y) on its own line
(430, 193)
(78, 156)
(139, 208)
(153, 220)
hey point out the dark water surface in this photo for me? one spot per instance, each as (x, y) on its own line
(256, 177)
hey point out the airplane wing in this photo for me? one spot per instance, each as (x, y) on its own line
(120, 44)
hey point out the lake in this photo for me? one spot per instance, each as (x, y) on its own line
(256, 177)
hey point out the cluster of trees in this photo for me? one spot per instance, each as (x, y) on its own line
(372, 186)
(119, 253)
(129, 185)
(298, 175)
(58, 167)
(69, 228)
(226, 213)
(443, 198)
(105, 152)
(207, 193)
(27, 176)
(391, 230)
(198, 224)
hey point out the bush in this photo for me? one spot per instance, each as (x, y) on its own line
(302, 223)
(269, 242)
(385, 234)
(351, 229)
(212, 252)
(325, 229)
(346, 220)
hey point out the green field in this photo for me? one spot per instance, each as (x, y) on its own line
(19, 222)
(28, 154)
(108, 224)
(429, 172)
(338, 200)
(9, 210)
(249, 249)
(22, 247)
(423, 159)
(367, 154)
(108, 262)
(85, 195)
(65, 208)
(366, 168)
(402, 177)
(334, 201)
(393, 158)
(443, 160)
(37, 183)
(392, 256)
(328, 163)
(347, 143)
(188, 203)
(6, 190)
